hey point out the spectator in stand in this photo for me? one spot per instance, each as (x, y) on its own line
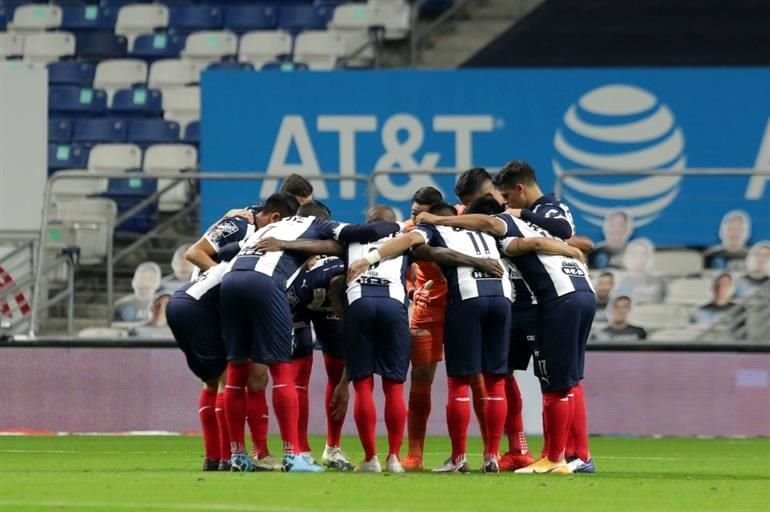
(156, 327)
(136, 307)
(730, 255)
(603, 287)
(757, 271)
(640, 284)
(619, 330)
(617, 229)
(721, 302)
(182, 269)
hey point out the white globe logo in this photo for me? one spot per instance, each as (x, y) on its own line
(619, 128)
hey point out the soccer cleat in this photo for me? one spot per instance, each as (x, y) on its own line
(412, 463)
(544, 466)
(267, 463)
(370, 466)
(334, 458)
(490, 464)
(224, 465)
(512, 461)
(309, 457)
(393, 465)
(299, 464)
(450, 466)
(241, 463)
(577, 465)
(210, 465)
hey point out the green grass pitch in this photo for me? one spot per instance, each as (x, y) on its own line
(162, 474)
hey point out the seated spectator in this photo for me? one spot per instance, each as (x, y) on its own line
(619, 330)
(734, 232)
(157, 327)
(182, 268)
(617, 229)
(603, 287)
(136, 307)
(640, 284)
(721, 301)
(757, 271)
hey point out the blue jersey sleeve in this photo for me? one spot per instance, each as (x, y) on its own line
(512, 230)
(553, 217)
(428, 232)
(227, 230)
(355, 233)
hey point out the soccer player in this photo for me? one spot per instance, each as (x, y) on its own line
(235, 226)
(299, 187)
(475, 183)
(257, 322)
(566, 306)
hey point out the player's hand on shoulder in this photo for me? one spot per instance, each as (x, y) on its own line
(269, 245)
(491, 267)
(576, 253)
(516, 212)
(357, 268)
(426, 218)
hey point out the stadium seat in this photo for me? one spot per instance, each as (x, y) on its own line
(678, 263)
(97, 46)
(77, 188)
(127, 193)
(152, 131)
(114, 157)
(66, 156)
(259, 48)
(296, 18)
(112, 75)
(89, 224)
(395, 19)
(71, 73)
(682, 335)
(245, 18)
(137, 102)
(184, 19)
(78, 18)
(228, 65)
(151, 47)
(59, 130)
(659, 316)
(182, 105)
(192, 134)
(689, 291)
(319, 49)
(137, 19)
(209, 46)
(45, 47)
(167, 73)
(284, 65)
(11, 45)
(35, 18)
(99, 131)
(74, 101)
(162, 158)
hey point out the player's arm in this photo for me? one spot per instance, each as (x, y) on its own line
(452, 258)
(336, 295)
(583, 243)
(519, 246)
(552, 219)
(390, 249)
(303, 245)
(201, 254)
(363, 233)
(474, 222)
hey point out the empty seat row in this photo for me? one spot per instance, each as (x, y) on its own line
(123, 157)
(45, 47)
(143, 132)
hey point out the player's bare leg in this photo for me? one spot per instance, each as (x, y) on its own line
(209, 426)
(418, 414)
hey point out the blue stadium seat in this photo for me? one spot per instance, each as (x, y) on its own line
(245, 18)
(129, 192)
(228, 65)
(73, 101)
(152, 47)
(59, 130)
(137, 102)
(296, 18)
(102, 130)
(4, 17)
(71, 73)
(284, 65)
(66, 156)
(152, 131)
(96, 46)
(121, 3)
(192, 134)
(76, 19)
(184, 19)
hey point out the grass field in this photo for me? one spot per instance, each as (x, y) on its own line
(162, 474)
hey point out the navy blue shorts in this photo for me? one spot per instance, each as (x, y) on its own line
(377, 339)
(303, 342)
(330, 333)
(197, 331)
(477, 336)
(523, 336)
(560, 347)
(256, 318)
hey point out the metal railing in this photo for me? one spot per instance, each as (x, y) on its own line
(417, 35)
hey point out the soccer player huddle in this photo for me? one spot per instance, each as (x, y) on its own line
(492, 282)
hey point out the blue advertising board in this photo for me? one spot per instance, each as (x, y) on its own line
(558, 120)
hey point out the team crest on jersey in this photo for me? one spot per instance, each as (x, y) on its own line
(224, 229)
(572, 269)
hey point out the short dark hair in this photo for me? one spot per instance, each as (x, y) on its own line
(621, 297)
(485, 204)
(314, 209)
(469, 183)
(607, 274)
(515, 172)
(296, 185)
(380, 212)
(284, 204)
(427, 196)
(443, 208)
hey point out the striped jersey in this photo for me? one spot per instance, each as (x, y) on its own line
(522, 294)
(205, 287)
(548, 276)
(309, 290)
(463, 282)
(386, 278)
(226, 231)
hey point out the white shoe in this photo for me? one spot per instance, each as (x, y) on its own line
(309, 457)
(334, 458)
(393, 465)
(370, 466)
(450, 466)
(268, 463)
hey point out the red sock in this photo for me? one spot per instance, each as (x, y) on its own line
(556, 410)
(479, 404)
(208, 416)
(303, 367)
(285, 404)
(258, 420)
(365, 414)
(579, 430)
(495, 413)
(514, 422)
(569, 446)
(458, 414)
(395, 415)
(224, 431)
(544, 449)
(419, 412)
(334, 367)
(235, 404)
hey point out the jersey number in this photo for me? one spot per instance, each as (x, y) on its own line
(473, 237)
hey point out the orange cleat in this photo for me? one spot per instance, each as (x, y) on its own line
(512, 461)
(412, 463)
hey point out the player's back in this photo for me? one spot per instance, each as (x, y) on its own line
(309, 290)
(384, 279)
(204, 289)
